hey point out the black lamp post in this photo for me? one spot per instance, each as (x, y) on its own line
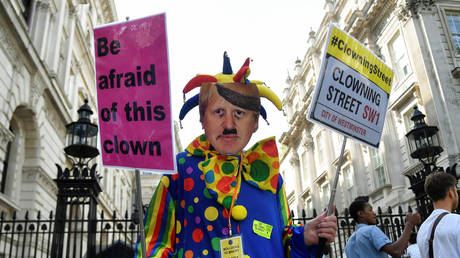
(424, 146)
(423, 141)
(81, 136)
(78, 187)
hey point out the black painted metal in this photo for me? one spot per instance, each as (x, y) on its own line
(26, 236)
(392, 224)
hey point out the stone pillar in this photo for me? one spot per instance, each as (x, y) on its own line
(41, 27)
(295, 163)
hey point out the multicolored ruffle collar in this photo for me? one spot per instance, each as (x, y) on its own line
(260, 168)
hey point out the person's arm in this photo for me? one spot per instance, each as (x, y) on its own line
(159, 222)
(397, 248)
(299, 240)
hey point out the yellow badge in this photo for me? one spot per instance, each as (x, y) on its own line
(262, 229)
(231, 247)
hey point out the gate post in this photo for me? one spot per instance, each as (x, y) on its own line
(78, 187)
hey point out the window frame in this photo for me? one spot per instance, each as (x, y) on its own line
(444, 10)
(397, 35)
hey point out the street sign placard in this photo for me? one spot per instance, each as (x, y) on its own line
(351, 96)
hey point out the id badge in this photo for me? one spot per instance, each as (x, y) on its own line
(231, 247)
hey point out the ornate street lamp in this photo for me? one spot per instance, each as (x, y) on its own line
(424, 146)
(423, 140)
(78, 186)
(81, 136)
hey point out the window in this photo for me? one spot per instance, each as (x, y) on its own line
(408, 123)
(320, 147)
(379, 169)
(453, 19)
(325, 193)
(349, 183)
(399, 58)
(5, 168)
(304, 168)
(27, 9)
(309, 205)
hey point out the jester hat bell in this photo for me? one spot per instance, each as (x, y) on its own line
(223, 81)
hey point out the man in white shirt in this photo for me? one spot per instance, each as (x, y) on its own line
(441, 187)
(412, 249)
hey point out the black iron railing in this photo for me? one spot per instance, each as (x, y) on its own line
(32, 237)
(392, 224)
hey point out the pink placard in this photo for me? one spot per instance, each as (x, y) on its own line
(133, 94)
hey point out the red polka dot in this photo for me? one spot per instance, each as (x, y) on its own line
(276, 164)
(182, 204)
(270, 148)
(253, 156)
(274, 181)
(216, 168)
(225, 213)
(189, 254)
(185, 222)
(188, 184)
(238, 228)
(174, 177)
(197, 235)
(222, 156)
(224, 184)
(196, 144)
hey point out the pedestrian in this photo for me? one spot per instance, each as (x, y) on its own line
(412, 249)
(442, 227)
(225, 201)
(368, 240)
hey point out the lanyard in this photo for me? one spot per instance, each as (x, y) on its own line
(235, 193)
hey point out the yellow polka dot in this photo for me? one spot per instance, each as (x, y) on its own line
(247, 256)
(178, 227)
(165, 181)
(211, 213)
(196, 199)
(205, 252)
(239, 212)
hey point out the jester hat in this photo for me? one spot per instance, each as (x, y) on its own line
(227, 76)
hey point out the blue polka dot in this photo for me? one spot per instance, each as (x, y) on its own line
(209, 176)
(212, 192)
(233, 184)
(253, 183)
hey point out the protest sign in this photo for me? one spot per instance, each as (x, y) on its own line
(351, 96)
(133, 94)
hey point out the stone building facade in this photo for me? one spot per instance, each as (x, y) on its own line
(420, 40)
(46, 72)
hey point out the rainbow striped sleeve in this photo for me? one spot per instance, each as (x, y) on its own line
(159, 223)
(287, 220)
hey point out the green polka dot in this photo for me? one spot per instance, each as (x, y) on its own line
(181, 160)
(206, 193)
(203, 137)
(181, 253)
(228, 168)
(205, 163)
(259, 170)
(190, 209)
(215, 243)
(227, 201)
(197, 152)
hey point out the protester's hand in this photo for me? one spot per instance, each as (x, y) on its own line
(413, 218)
(321, 226)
